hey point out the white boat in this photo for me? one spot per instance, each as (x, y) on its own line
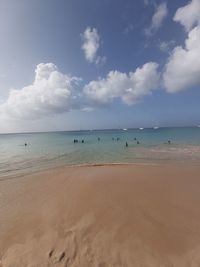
(124, 129)
(156, 127)
(141, 128)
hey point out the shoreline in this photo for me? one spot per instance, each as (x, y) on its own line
(60, 167)
(63, 167)
(100, 164)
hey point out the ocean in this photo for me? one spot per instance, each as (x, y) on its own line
(52, 149)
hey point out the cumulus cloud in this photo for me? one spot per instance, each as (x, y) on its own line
(91, 44)
(182, 70)
(129, 87)
(157, 19)
(51, 92)
(189, 15)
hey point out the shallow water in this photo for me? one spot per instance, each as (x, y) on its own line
(45, 150)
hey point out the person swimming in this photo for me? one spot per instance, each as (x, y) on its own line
(126, 144)
(25, 144)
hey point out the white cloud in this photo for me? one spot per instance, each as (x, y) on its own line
(157, 19)
(165, 46)
(188, 15)
(100, 60)
(91, 44)
(182, 70)
(129, 87)
(3, 75)
(51, 92)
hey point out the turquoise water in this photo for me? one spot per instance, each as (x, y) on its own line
(45, 150)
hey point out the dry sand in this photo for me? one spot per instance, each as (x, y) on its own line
(131, 215)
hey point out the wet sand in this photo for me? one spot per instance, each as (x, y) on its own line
(115, 216)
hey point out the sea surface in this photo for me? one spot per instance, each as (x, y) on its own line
(52, 149)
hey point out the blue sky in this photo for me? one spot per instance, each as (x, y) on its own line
(94, 64)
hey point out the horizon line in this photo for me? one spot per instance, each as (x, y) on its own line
(104, 129)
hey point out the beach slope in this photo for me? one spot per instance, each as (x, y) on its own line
(123, 215)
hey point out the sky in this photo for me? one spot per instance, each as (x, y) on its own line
(76, 65)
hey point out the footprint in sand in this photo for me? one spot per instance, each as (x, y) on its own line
(64, 252)
(57, 257)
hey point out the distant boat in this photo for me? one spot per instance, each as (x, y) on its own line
(141, 128)
(156, 127)
(124, 129)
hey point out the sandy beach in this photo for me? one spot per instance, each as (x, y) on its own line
(123, 215)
